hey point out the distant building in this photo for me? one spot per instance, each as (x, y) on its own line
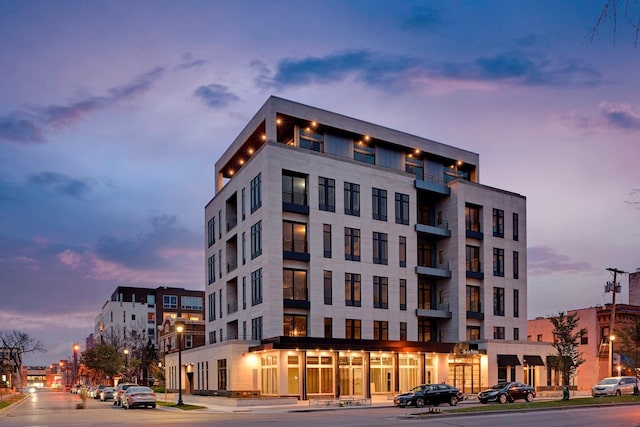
(137, 312)
(344, 258)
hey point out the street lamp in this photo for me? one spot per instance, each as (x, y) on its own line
(76, 347)
(126, 362)
(179, 331)
(612, 338)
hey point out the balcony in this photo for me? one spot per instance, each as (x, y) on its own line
(232, 264)
(440, 271)
(293, 303)
(477, 235)
(432, 184)
(440, 231)
(231, 223)
(439, 311)
(295, 208)
(475, 315)
(296, 256)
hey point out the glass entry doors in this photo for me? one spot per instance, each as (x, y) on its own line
(351, 374)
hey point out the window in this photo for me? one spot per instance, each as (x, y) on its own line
(244, 248)
(498, 332)
(211, 269)
(539, 337)
(380, 250)
(402, 208)
(220, 224)
(243, 203)
(473, 299)
(256, 240)
(352, 289)
(379, 204)
(516, 303)
(403, 331)
(294, 237)
(328, 287)
(515, 226)
(380, 292)
(424, 329)
(473, 333)
(294, 189)
(380, 330)
(191, 303)
(498, 301)
(169, 301)
(403, 294)
(516, 334)
(220, 263)
(311, 141)
(326, 240)
(351, 199)
(295, 325)
(363, 153)
(327, 194)
(402, 249)
(256, 287)
(414, 166)
(351, 244)
(222, 374)
(211, 231)
(328, 327)
(584, 337)
(256, 328)
(352, 329)
(473, 259)
(294, 285)
(220, 301)
(256, 193)
(516, 265)
(244, 292)
(498, 223)
(498, 262)
(472, 218)
(424, 294)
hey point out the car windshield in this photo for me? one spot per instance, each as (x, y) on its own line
(498, 386)
(608, 381)
(416, 389)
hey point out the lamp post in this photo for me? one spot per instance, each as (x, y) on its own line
(612, 338)
(76, 347)
(179, 331)
(126, 363)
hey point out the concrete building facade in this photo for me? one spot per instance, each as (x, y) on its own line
(348, 259)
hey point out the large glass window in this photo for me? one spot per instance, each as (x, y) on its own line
(381, 369)
(326, 240)
(295, 325)
(498, 262)
(351, 244)
(269, 374)
(424, 329)
(352, 289)
(402, 208)
(352, 329)
(380, 292)
(294, 285)
(364, 153)
(169, 301)
(472, 218)
(473, 299)
(516, 265)
(311, 140)
(256, 240)
(414, 166)
(191, 303)
(212, 306)
(473, 333)
(294, 189)
(379, 204)
(498, 223)
(380, 248)
(256, 328)
(498, 301)
(211, 231)
(402, 249)
(222, 374)
(516, 303)
(424, 294)
(328, 327)
(327, 194)
(328, 287)
(403, 294)
(256, 287)
(473, 259)
(351, 199)
(380, 330)
(256, 193)
(320, 375)
(515, 226)
(498, 332)
(403, 333)
(294, 237)
(211, 269)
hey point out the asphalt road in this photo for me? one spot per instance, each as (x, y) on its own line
(54, 409)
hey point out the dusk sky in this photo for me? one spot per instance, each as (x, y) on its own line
(113, 113)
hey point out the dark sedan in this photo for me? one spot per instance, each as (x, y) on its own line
(429, 394)
(507, 392)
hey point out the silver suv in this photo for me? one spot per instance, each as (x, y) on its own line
(615, 386)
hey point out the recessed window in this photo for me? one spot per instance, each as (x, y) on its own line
(351, 199)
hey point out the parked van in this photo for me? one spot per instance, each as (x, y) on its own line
(615, 386)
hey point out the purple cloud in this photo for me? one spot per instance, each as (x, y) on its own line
(18, 128)
(621, 116)
(215, 95)
(543, 260)
(62, 184)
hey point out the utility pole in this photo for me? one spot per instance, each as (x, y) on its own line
(615, 288)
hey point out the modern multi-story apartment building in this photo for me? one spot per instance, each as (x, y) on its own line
(346, 258)
(136, 313)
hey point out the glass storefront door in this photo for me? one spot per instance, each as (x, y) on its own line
(351, 374)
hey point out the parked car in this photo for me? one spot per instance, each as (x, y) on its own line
(139, 396)
(615, 386)
(118, 395)
(96, 392)
(107, 393)
(91, 391)
(507, 392)
(429, 394)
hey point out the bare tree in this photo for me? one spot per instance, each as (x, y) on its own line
(16, 344)
(629, 10)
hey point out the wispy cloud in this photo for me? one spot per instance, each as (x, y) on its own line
(23, 127)
(543, 260)
(188, 62)
(60, 183)
(215, 95)
(621, 116)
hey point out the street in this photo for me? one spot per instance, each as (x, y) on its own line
(46, 408)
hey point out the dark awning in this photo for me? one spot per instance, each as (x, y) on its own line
(508, 360)
(533, 360)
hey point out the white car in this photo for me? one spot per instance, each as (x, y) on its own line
(615, 386)
(139, 396)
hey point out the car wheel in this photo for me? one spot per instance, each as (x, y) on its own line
(529, 397)
(153, 406)
(453, 401)
(502, 398)
(419, 402)
(618, 393)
